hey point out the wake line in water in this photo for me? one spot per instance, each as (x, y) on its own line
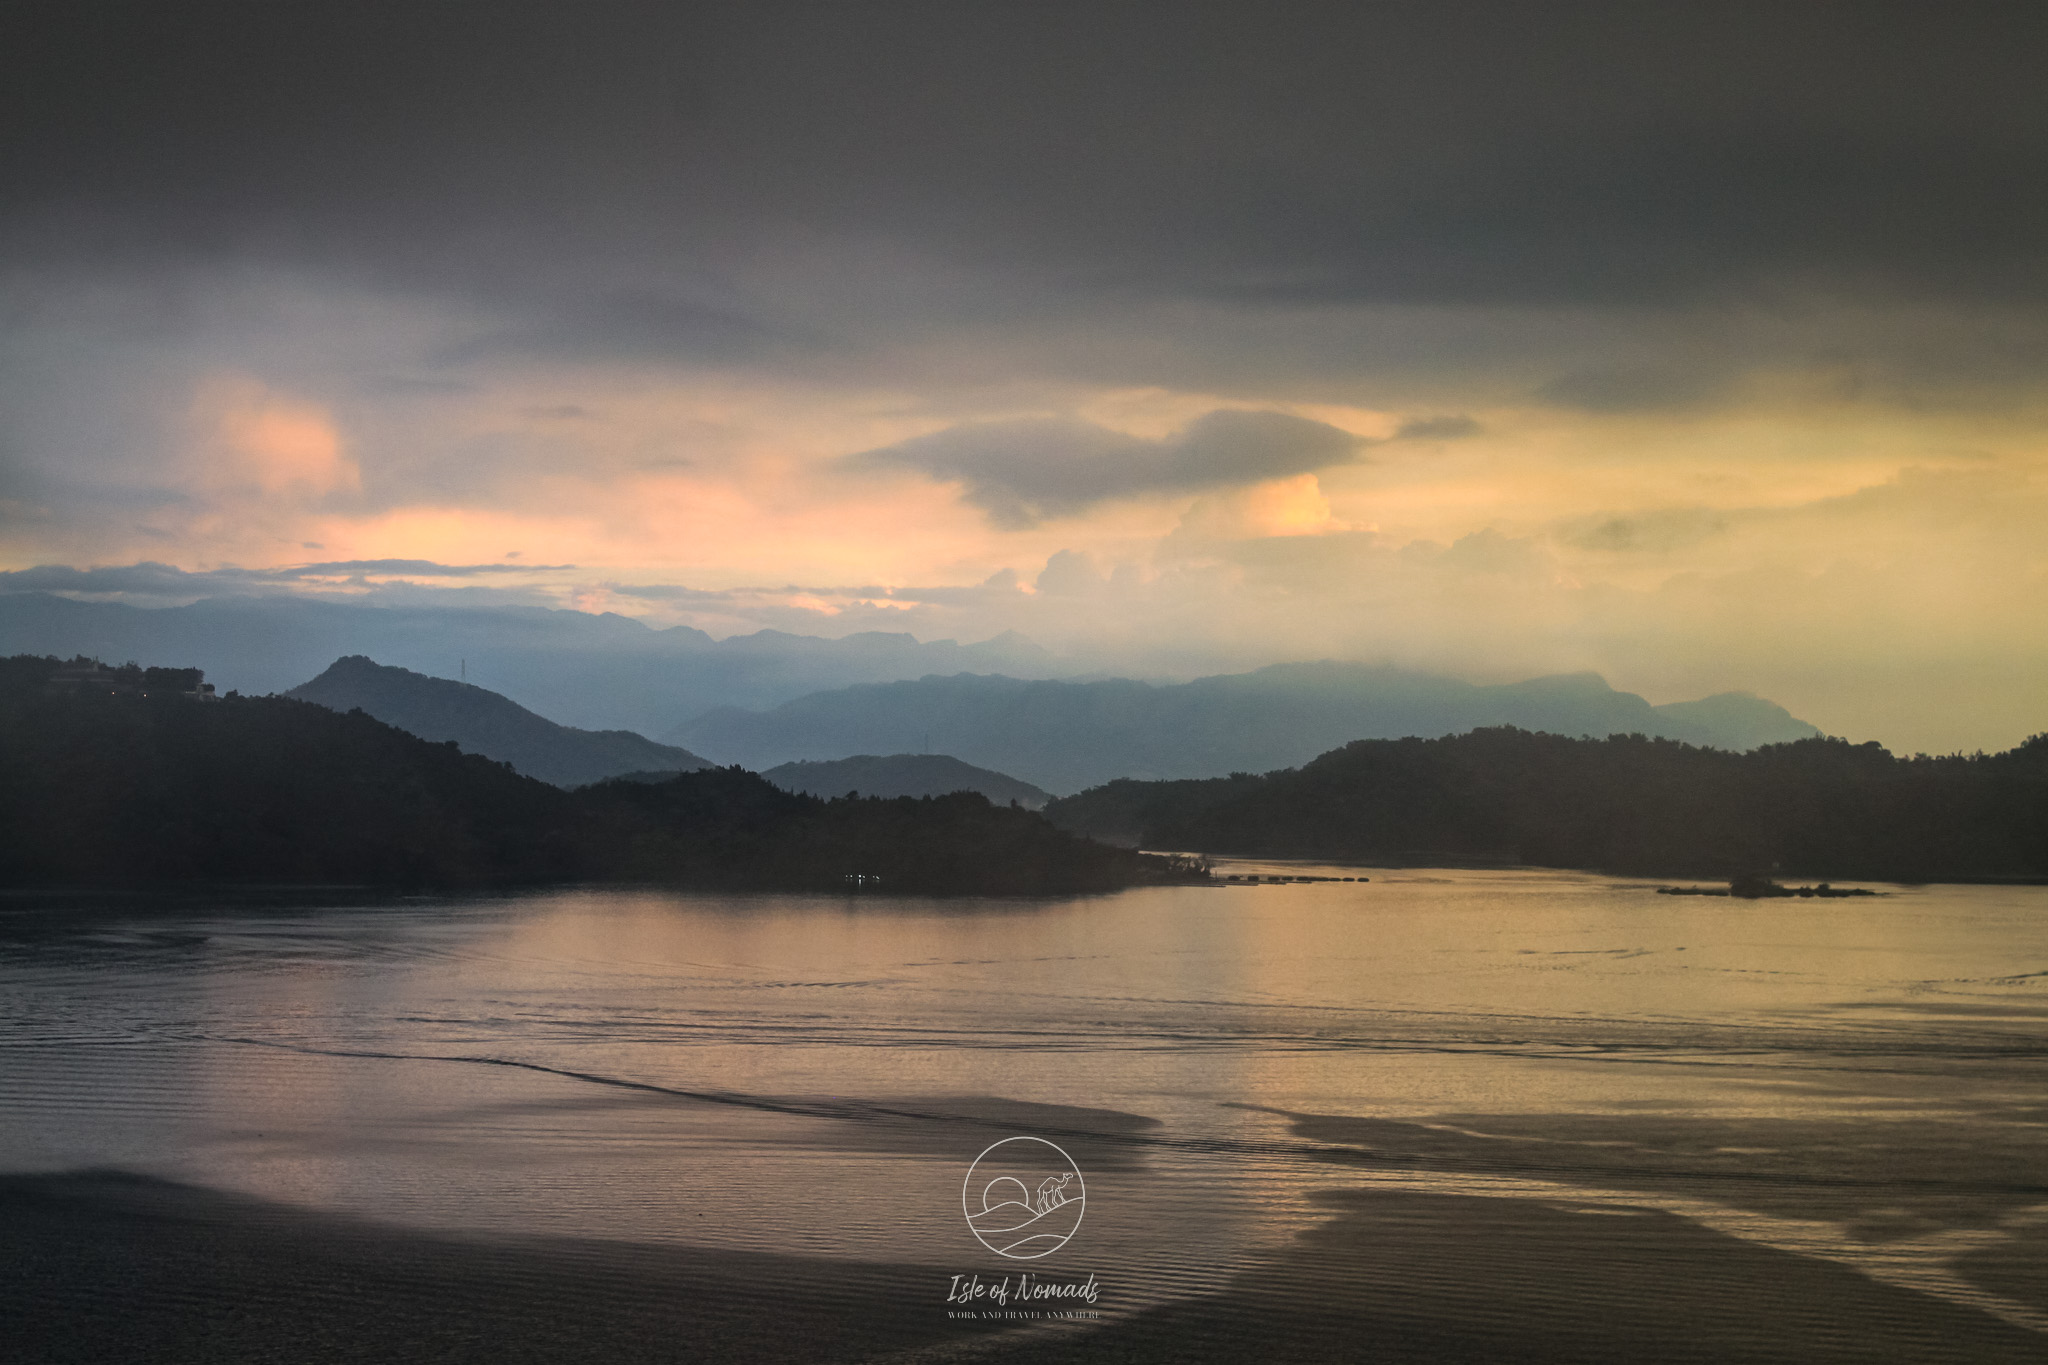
(1347, 1155)
(848, 1110)
(591, 1077)
(1730, 1056)
(1770, 1053)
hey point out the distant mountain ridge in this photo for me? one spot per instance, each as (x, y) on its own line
(482, 722)
(904, 775)
(1067, 736)
(770, 697)
(597, 671)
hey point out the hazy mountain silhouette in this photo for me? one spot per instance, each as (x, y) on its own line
(482, 722)
(771, 698)
(904, 775)
(600, 672)
(1065, 736)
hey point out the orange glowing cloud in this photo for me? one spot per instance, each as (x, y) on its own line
(261, 440)
(1288, 507)
(1279, 507)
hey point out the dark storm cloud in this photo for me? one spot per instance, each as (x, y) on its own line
(549, 157)
(1023, 472)
(634, 326)
(1634, 389)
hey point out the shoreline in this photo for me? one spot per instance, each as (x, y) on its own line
(103, 1266)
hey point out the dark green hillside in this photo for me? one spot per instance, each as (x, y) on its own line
(730, 827)
(1123, 811)
(904, 775)
(150, 789)
(158, 789)
(1815, 808)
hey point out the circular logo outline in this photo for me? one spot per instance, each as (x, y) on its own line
(967, 1186)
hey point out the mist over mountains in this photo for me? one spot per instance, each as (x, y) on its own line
(1066, 736)
(596, 672)
(773, 698)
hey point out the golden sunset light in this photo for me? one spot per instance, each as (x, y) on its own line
(982, 683)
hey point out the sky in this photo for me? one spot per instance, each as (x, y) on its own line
(1703, 346)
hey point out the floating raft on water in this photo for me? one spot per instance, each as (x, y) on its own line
(1759, 888)
(1270, 878)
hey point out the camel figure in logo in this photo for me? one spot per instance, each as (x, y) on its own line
(1052, 1192)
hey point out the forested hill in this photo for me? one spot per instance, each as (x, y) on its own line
(1812, 808)
(159, 789)
(904, 775)
(483, 722)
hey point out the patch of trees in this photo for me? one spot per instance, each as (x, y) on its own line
(727, 826)
(160, 789)
(1126, 810)
(1628, 804)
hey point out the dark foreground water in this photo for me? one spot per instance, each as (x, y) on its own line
(1446, 1115)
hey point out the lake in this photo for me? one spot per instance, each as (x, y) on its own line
(1437, 1115)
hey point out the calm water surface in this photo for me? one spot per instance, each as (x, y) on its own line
(1863, 1081)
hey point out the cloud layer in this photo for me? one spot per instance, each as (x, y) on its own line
(1023, 472)
(1704, 345)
